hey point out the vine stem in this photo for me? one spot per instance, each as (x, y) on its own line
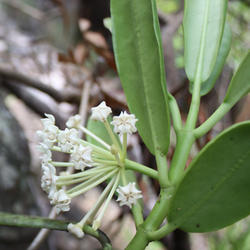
(213, 119)
(43, 233)
(132, 165)
(153, 221)
(175, 113)
(7, 219)
(185, 140)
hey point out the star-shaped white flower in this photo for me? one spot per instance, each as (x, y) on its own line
(74, 122)
(48, 180)
(101, 112)
(67, 139)
(81, 157)
(128, 194)
(46, 153)
(61, 201)
(124, 123)
(50, 120)
(49, 133)
(75, 229)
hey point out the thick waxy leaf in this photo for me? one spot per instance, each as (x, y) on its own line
(215, 191)
(240, 83)
(138, 52)
(99, 130)
(203, 28)
(220, 61)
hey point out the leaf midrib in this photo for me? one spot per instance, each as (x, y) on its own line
(137, 49)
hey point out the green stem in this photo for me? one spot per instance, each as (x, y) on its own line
(132, 165)
(160, 233)
(70, 182)
(175, 113)
(195, 106)
(91, 213)
(140, 241)
(112, 135)
(159, 211)
(98, 139)
(98, 150)
(137, 214)
(124, 147)
(7, 219)
(153, 221)
(62, 164)
(162, 167)
(91, 180)
(89, 172)
(185, 140)
(212, 120)
(124, 180)
(102, 161)
(105, 205)
(81, 190)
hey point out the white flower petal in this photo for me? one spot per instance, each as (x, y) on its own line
(48, 180)
(45, 151)
(49, 133)
(101, 112)
(61, 201)
(81, 157)
(124, 123)
(128, 194)
(50, 120)
(67, 139)
(74, 122)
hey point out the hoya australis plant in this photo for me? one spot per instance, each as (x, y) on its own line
(213, 192)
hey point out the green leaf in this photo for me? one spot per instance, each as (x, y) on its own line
(240, 83)
(139, 59)
(220, 61)
(203, 28)
(99, 130)
(215, 191)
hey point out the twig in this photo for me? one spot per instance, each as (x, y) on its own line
(36, 104)
(66, 96)
(25, 8)
(83, 109)
(7, 219)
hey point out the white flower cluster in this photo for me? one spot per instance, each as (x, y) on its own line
(94, 164)
(66, 141)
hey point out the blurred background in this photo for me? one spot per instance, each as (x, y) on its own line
(56, 57)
